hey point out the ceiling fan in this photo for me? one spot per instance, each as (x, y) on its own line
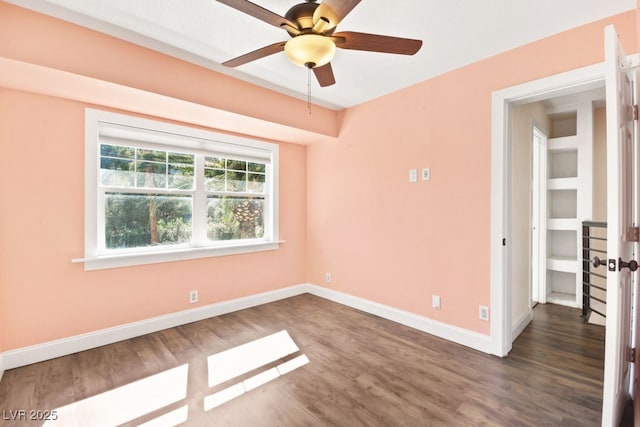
(313, 40)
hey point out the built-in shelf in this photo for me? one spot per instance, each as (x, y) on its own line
(564, 123)
(563, 163)
(562, 244)
(562, 184)
(562, 224)
(569, 165)
(562, 143)
(563, 281)
(563, 203)
(563, 299)
(563, 264)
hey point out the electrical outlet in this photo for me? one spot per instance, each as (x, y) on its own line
(435, 301)
(327, 278)
(193, 297)
(483, 312)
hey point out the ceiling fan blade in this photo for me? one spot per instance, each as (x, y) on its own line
(376, 43)
(261, 13)
(332, 12)
(324, 75)
(256, 54)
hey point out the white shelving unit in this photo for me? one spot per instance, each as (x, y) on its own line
(568, 200)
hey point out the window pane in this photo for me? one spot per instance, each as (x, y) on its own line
(236, 181)
(119, 168)
(214, 162)
(179, 158)
(139, 220)
(237, 165)
(257, 167)
(256, 183)
(152, 155)
(181, 177)
(117, 172)
(230, 218)
(117, 151)
(151, 175)
(181, 169)
(214, 179)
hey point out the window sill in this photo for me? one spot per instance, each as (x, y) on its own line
(130, 259)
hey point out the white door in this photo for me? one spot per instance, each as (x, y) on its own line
(539, 218)
(621, 194)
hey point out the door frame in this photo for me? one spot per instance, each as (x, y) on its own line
(579, 80)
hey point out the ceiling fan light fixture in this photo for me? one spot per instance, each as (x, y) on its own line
(310, 50)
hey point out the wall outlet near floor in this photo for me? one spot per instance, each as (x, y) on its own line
(483, 312)
(435, 301)
(327, 278)
(193, 297)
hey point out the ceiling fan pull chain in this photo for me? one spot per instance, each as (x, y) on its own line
(309, 89)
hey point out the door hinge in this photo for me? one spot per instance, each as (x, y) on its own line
(633, 234)
(635, 112)
(632, 355)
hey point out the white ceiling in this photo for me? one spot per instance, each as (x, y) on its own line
(454, 33)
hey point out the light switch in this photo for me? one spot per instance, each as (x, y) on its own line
(413, 175)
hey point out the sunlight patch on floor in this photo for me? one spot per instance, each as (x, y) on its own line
(126, 403)
(236, 390)
(143, 397)
(170, 419)
(244, 358)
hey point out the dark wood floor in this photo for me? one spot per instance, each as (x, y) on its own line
(363, 371)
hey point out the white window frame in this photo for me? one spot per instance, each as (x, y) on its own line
(102, 126)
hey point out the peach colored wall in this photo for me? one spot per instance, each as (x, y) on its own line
(39, 39)
(346, 208)
(45, 296)
(396, 242)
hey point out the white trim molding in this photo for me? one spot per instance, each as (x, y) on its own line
(521, 323)
(52, 349)
(455, 334)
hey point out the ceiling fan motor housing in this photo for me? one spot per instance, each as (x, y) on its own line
(302, 14)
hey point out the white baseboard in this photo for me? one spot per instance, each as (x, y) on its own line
(451, 333)
(521, 324)
(52, 349)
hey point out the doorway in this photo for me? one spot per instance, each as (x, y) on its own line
(558, 181)
(553, 190)
(620, 73)
(506, 325)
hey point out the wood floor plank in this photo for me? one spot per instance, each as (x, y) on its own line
(362, 371)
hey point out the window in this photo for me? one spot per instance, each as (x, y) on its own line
(158, 192)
